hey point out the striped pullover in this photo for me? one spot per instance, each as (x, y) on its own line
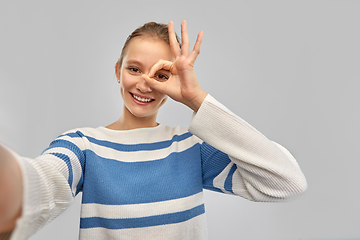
(148, 183)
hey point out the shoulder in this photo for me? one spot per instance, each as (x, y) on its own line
(79, 132)
(181, 133)
(75, 136)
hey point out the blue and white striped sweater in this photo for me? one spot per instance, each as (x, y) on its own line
(147, 183)
(119, 174)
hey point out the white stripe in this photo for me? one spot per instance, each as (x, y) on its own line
(141, 156)
(57, 163)
(141, 210)
(134, 136)
(194, 228)
(239, 187)
(219, 180)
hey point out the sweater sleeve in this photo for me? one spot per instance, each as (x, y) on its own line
(238, 159)
(50, 181)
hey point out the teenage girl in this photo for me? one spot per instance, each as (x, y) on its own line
(140, 179)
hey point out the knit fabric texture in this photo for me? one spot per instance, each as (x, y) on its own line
(148, 183)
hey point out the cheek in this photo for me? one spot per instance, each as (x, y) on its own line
(124, 90)
(163, 99)
(125, 84)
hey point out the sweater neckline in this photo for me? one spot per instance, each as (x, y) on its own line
(134, 136)
(145, 129)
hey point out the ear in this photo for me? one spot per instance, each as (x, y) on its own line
(117, 71)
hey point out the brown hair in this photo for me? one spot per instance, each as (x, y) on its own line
(150, 29)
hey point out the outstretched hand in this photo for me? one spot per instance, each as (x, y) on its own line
(182, 85)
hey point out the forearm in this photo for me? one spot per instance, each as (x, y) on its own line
(265, 170)
(11, 190)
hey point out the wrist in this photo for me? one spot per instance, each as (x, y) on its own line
(197, 101)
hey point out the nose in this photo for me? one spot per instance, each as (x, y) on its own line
(142, 86)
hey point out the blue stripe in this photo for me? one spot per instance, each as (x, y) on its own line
(79, 186)
(140, 147)
(170, 218)
(112, 182)
(213, 163)
(228, 182)
(76, 134)
(66, 159)
(72, 135)
(61, 143)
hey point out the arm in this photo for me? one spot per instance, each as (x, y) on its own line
(257, 168)
(50, 183)
(238, 159)
(10, 190)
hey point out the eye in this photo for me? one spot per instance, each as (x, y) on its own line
(161, 77)
(134, 70)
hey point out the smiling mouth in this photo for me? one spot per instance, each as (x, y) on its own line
(142, 99)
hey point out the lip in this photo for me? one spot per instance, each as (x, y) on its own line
(138, 102)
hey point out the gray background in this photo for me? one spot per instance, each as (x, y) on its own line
(290, 68)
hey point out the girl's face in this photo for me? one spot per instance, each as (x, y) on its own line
(141, 54)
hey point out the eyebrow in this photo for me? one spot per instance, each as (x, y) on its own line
(134, 61)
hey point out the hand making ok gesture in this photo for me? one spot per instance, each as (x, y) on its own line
(182, 85)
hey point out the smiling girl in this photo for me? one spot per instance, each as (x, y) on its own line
(140, 179)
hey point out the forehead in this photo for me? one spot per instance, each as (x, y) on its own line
(147, 50)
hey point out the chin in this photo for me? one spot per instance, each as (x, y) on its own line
(142, 113)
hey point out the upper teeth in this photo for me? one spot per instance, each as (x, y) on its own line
(142, 99)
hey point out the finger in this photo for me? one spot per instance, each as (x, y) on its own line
(185, 45)
(161, 64)
(174, 45)
(159, 86)
(196, 50)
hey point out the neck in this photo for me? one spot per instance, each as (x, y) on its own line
(128, 121)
